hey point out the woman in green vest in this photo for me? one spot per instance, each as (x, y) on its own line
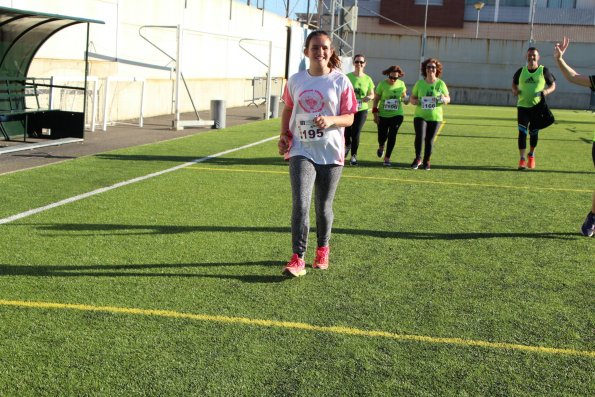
(429, 95)
(364, 93)
(389, 98)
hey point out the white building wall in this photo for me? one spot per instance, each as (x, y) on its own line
(212, 61)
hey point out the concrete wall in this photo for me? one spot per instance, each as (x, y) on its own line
(212, 60)
(477, 71)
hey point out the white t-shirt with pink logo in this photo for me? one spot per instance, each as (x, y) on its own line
(311, 96)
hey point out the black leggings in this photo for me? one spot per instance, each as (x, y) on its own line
(352, 132)
(524, 119)
(425, 131)
(388, 127)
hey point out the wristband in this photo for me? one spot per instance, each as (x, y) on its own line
(374, 110)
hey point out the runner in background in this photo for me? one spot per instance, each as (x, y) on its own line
(528, 84)
(364, 92)
(429, 95)
(319, 103)
(389, 98)
(588, 227)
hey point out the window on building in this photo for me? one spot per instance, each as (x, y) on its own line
(561, 3)
(485, 2)
(515, 3)
(430, 2)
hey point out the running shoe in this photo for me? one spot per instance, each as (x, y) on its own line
(588, 228)
(296, 267)
(416, 163)
(531, 163)
(353, 160)
(427, 166)
(522, 164)
(321, 260)
(380, 151)
(387, 163)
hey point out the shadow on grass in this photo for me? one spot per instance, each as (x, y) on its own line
(436, 166)
(125, 271)
(127, 230)
(186, 159)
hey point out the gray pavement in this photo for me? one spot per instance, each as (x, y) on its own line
(118, 136)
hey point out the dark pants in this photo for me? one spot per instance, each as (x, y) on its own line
(353, 132)
(425, 132)
(388, 127)
(524, 116)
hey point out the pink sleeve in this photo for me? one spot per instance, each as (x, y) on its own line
(287, 96)
(348, 101)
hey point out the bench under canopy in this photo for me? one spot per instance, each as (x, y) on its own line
(22, 33)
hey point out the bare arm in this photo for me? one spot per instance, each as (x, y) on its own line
(285, 134)
(343, 120)
(549, 89)
(515, 89)
(569, 73)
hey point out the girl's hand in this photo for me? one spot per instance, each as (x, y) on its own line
(284, 143)
(322, 121)
(376, 118)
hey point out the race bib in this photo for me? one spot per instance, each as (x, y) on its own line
(308, 131)
(391, 104)
(428, 103)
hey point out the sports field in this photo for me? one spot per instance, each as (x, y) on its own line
(470, 279)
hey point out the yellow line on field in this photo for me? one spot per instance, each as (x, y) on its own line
(301, 326)
(376, 178)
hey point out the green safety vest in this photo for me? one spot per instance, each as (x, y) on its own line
(529, 85)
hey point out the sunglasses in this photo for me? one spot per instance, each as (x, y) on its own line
(430, 67)
(359, 62)
(393, 78)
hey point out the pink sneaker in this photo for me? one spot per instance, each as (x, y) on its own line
(321, 260)
(296, 267)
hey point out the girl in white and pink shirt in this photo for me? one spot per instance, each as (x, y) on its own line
(319, 103)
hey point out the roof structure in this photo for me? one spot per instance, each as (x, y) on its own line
(23, 32)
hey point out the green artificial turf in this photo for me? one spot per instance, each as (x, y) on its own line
(472, 249)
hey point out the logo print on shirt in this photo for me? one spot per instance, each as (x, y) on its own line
(311, 101)
(530, 80)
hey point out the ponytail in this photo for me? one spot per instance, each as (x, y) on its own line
(335, 61)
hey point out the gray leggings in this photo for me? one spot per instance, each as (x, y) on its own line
(305, 175)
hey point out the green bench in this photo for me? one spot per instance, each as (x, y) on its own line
(23, 113)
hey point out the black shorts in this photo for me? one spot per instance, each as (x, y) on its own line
(524, 115)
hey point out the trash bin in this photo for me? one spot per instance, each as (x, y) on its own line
(274, 108)
(218, 113)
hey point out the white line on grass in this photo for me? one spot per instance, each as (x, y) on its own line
(125, 183)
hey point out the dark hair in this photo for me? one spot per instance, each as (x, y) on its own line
(359, 56)
(438, 67)
(393, 69)
(335, 61)
(532, 49)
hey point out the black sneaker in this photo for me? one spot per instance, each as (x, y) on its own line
(380, 151)
(427, 166)
(588, 228)
(353, 159)
(416, 163)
